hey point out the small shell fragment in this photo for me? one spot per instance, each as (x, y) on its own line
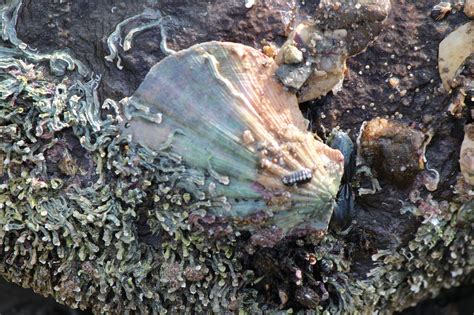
(394, 82)
(440, 10)
(430, 178)
(249, 3)
(248, 137)
(453, 51)
(467, 154)
(291, 54)
(469, 8)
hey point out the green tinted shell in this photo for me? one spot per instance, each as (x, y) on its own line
(218, 108)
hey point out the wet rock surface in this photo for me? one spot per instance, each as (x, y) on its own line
(396, 78)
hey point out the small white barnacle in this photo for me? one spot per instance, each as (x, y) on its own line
(298, 177)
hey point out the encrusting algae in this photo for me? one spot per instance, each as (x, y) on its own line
(109, 210)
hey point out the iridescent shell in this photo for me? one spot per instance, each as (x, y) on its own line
(219, 108)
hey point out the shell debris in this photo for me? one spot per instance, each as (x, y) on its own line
(249, 3)
(313, 59)
(469, 8)
(453, 51)
(466, 159)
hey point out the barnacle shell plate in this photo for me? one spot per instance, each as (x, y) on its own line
(219, 107)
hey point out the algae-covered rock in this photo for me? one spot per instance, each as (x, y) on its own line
(98, 220)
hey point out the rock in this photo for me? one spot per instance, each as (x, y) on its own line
(186, 23)
(328, 36)
(393, 150)
(293, 76)
(291, 55)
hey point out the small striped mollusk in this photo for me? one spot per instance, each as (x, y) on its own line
(218, 109)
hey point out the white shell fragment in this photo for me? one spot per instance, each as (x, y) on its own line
(469, 8)
(453, 51)
(466, 159)
(249, 3)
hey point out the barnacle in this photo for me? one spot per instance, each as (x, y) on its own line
(393, 149)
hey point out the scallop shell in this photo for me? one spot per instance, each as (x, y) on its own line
(220, 109)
